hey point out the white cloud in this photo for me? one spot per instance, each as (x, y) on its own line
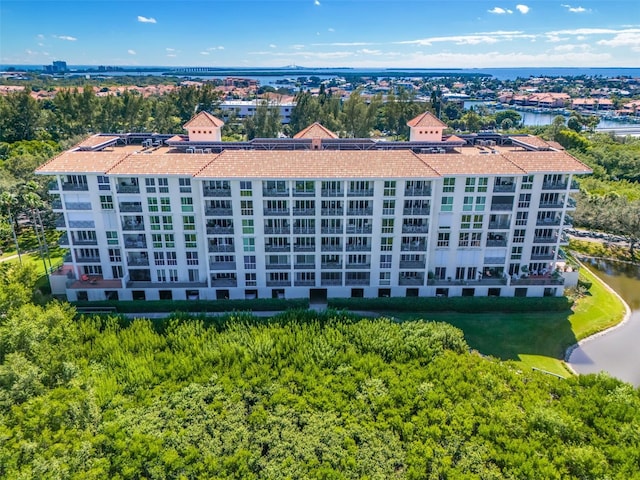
(40, 36)
(628, 39)
(523, 9)
(572, 48)
(273, 45)
(367, 51)
(170, 49)
(331, 29)
(316, 3)
(500, 11)
(142, 19)
(342, 44)
(211, 49)
(297, 47)
(473, 39)
(593, 31)
(204, 53)
(131, 52)
(171, 55)
(575, 9)
(65, 37)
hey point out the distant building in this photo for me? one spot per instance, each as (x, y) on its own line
(149, 216)
(247, 108)
(57, 66)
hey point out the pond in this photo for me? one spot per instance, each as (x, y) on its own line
(615, 352)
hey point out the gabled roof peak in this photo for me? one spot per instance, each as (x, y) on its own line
(204, 119)
(315, 130)
(426, 119)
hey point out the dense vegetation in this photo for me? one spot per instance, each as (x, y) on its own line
(300, 396)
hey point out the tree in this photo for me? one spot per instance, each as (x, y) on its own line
(8, 208)
(19, 117)
(265, 123)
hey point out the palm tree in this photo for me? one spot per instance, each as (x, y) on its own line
(8, 207)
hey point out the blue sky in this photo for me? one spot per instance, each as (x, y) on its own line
(323, 33)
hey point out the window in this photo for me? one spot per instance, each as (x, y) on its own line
(467, 204)
(246, 207)
(518, 235)
(156, 240)
(163, 184)
(112, 238)
(516, 253)
(470, 185)
(449, 185)
(521, 218)
(527, 182)
(152, 203)
(249, 262)
(169, 240)
(165, 204)
(467, 239)
(388, 207)
(103, 183)
(172, 258)
(463, 240)
(114, 255)
(161, 275)
(189, 222)
(167, 222)
(250, 279)
(524, 200)
(190, 240)
(476, 239)
(158, 258)
(185, 185)
(192, 258)
(245, 189)
(440, 273)
(106, 202)
(385, 278)
(477, 221)
(480, 203)
(154, 221)
(465, 222)
(150, 183)
(305, 187)
(483, 182)
(187, 204)
(249, 244)
(447, 204)
(443, 239)
(173, 275)
(386, 244)
(247, 227)
(387, 225)
(389, 188)
(385, 261)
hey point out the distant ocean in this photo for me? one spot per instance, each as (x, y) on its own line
(294, 72)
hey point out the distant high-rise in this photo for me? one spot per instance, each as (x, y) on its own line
(56, 67)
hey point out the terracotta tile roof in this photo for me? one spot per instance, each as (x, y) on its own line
(204, 119)
(162, 164)
(317, 164)
(532, 141)
(455, 138)
(315, 130)
(449, 164)
(427, 119)
(550, 161)
(81, 162)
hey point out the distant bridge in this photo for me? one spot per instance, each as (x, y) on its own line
(622, 131)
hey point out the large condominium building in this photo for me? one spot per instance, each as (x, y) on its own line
(191, 217)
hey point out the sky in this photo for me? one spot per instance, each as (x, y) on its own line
(322, 33)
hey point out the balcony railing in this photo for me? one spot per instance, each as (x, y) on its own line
(304, 193)
(278, 266)
(84, 241)
(138, 261)
(128, 189)
(364, 229)
(56, 205)
(135, 244)
(494, 260)
(63, 240)
(415, 228)
(131, 207)
(304, 283)
(360, 212)
(88, 259)
(224, 282)
(128, 227)
(551, 204)
(221, 248)
(218, 212)
(358, 248)
(554, 185)
(542, 256)
(412, 264)
(417, 192)
(304, 230)
(496, 242)
(82, 224)
(272, 192)
(357, 265)
(222, 265)
(219, 230)
(415, 211)
(75, 187)
(277, 248)
(331, 266)
(78, 205)
(333, 193)
(304, 266)
(278, 283)
(501, 207)
(505, 187)
(277, 230)
(411, 280)
(414, 247)
(216, 192)
(365, 192)
(304, 248)
(357, 281)
(53, 185)
(327, 282)
(332, 230)
(331, 248)
(548, 221)
(546, 239)
(309, 212)
(276, 211)
(328, 212)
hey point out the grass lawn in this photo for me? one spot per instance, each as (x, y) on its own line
(535, 339)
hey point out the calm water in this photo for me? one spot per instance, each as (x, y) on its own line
(616, 352)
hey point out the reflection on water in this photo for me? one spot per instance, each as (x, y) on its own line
(624, 278)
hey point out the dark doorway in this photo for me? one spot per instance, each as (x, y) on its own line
(165, 295)
(222, 294)
(317, 295)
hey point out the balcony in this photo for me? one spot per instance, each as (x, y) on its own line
(414, 247)
(360, 212)
(277, 230)
(84, 241)
(568, 221)
(304, 193)
(496, 242)
(411, 280)
(364, 229)
(417, 192)
(358, 266)
(272, 192)
(415, 211)
(548, 221)
(554, 185)
(282, 212)
(331, 230)
(333, 193)
(537, 280)
(221, 248)
(219, 230)
(331, 248)
(81, 224)
(304, 230)
(132, 226)
(571, 203)
(415, 228)
(53, 186)
(224, 282)
(216, 192)
(278, 283)
(305, 283)
(358, 248)
(88, 259)
(278, 266)
(138, 261)
(128, 188)
(364, 192)
(135, 243)
(331, 266)
(304, 266)
(542, 256)
(78, 205)
(130, 207)
(277, 248)
(222, 265)
(327, 282)
(218, 212)
(63, 241)
(546, 239)
(504, 187)
(332, 212)
(75, 187)
(357, 281)
(56, 204)
(501, 207)
(412, 264)
(574, 186)
(558, 204)
(309, 212)
(494, 260)
(304, 248)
